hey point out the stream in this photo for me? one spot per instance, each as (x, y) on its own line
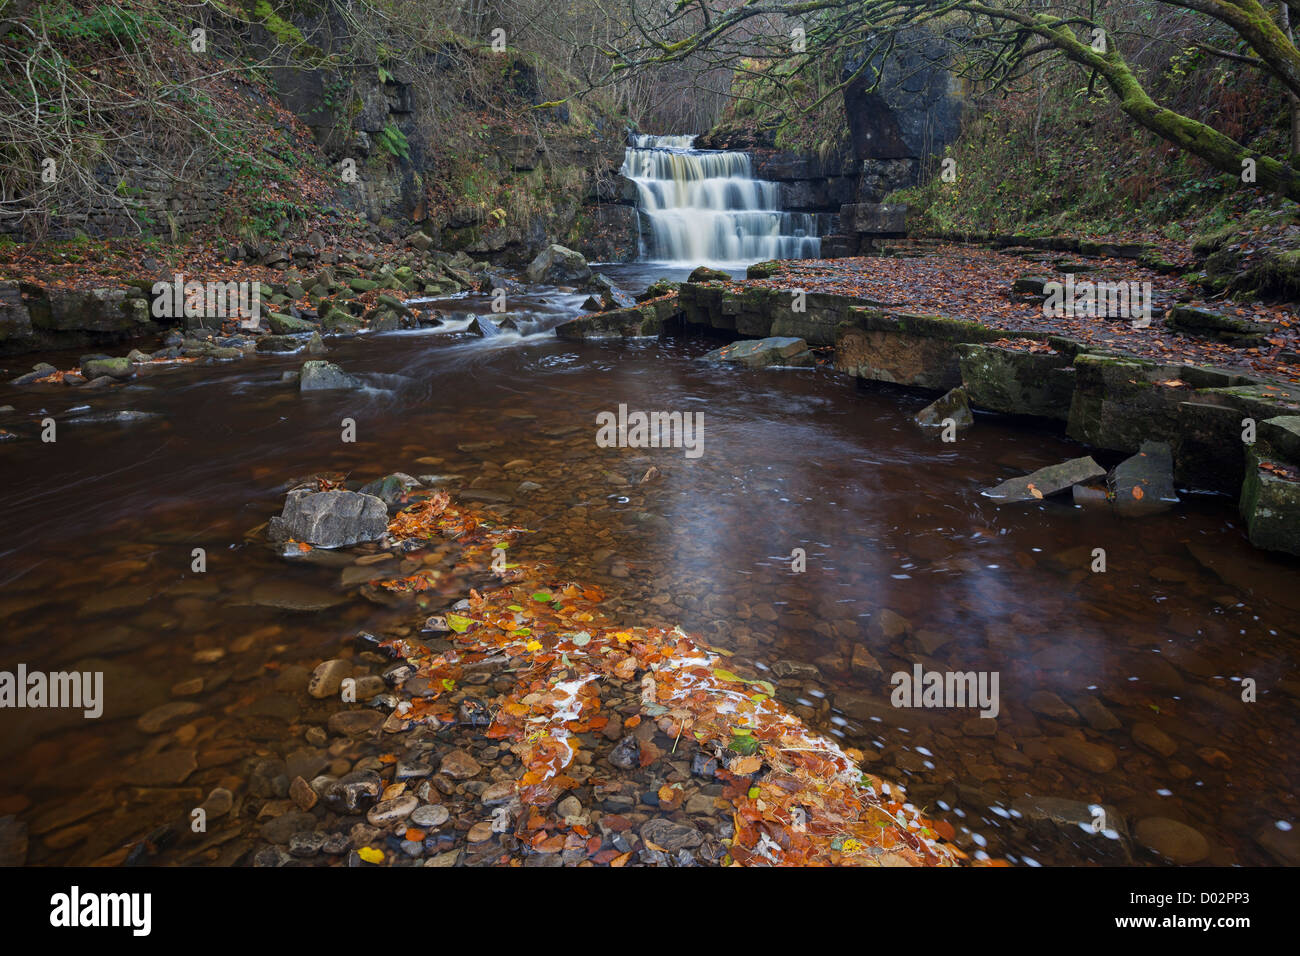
(903, 556)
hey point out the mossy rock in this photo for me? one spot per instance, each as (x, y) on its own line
(763, 270)
(1270, 504)
(705, 274)
(281, 324)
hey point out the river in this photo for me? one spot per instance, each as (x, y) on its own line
(101, 527)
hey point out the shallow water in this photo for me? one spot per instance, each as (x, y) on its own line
(96, 573)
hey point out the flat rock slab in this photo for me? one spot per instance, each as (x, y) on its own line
(1144, 483)
(760, 353)
(1048, 481)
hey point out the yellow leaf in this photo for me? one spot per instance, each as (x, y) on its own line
(371, 855)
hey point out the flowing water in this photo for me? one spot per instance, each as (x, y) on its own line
(96, 574)
(704, 207)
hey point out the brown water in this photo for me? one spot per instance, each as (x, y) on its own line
(100, 525)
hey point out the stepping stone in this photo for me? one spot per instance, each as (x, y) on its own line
(1048, 481)
(1144, 483)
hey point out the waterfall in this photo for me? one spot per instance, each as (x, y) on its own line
(704, 207)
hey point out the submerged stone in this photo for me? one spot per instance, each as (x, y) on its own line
(1144, 483)
(954, 405)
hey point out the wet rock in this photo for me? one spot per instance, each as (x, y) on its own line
(328, 677)
(301, 793)
(1154, 740)
(889, 625)
(169, 768)
(430, 816)
(474, 713)
(281, 324)
(953, 406)
(499, 794)
(354, 723)
(1096, 714)
(93, 367)
(1270, 497)
(762, 353)
(670, 835)
(353, 792)
(459, 765)
(1047, 481)
(1144, 483)
(1098, 826)
(166, 716)
(219, 803)
(307, 843)
(1016, 381)
(391, 488)
(705, 274)
(626, 754)
(556, 264)
(281, 829)
(318, 375)
(1046, 704)
(330, 519)
(1176, 842)
(863, 661)
(278, 343)
(388, 812)
(796, 670)
(1096, 758)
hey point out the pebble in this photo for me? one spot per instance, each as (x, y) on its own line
(480, 832)
(459, 765)
(301, 793)
(327, 678)
(355, 723)
(1153, 739)
(1176, 842)
(430, 816)
(165, 716)
(1046, 704)
(387, 812)
(499, 794)
(1096, 758)
(670, 835)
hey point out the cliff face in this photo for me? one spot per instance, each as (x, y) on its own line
(894, 115)
(453, 139)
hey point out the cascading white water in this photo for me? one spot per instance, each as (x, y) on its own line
(704, 207)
